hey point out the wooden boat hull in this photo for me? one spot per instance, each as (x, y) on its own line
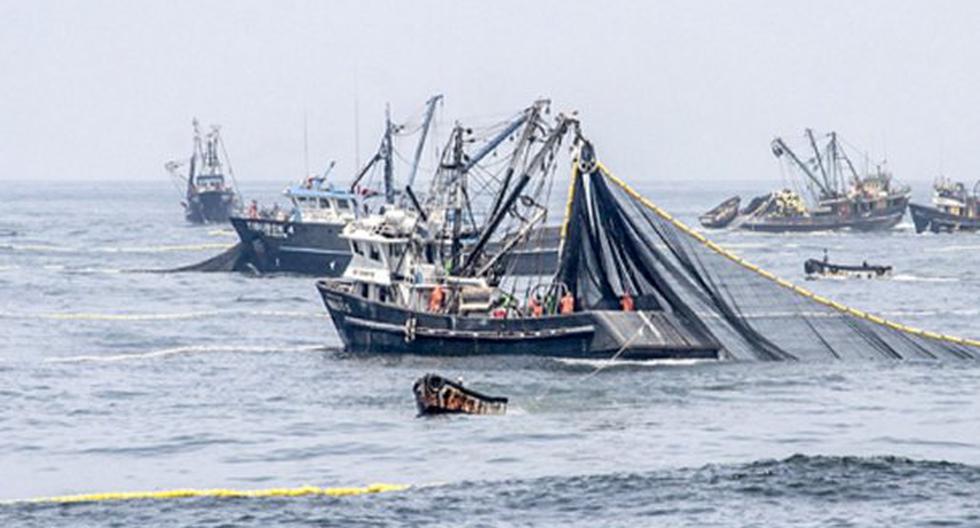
(210, 207)
(931, 219)
(817, 268)
(372, 327)
(435, 394)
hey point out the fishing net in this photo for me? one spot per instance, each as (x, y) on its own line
(616, 242)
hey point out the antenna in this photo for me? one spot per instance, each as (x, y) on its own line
(357, 123)
(306, 145)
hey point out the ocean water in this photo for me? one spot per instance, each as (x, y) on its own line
(113, 379)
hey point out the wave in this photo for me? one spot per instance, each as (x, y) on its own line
(950, 248)
(185, 350)
(606, 364)
(903, 277)
(47, 248)
(172, 316)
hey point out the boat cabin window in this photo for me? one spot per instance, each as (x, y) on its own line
(396, 251)
(324, 203)
(343, 204)
(375, 252)
(365, 289)
(356, 247)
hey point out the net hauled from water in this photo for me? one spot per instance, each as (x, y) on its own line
(617, 242)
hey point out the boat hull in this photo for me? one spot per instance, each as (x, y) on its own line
(877, 221)
(722, 215)
(817, 268)
(317, 249)
(210, 207)
(281, 246)
(372, 327)
(931, 219)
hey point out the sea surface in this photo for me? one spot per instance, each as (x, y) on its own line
(115, 379)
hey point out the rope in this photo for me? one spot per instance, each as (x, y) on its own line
(219, 493)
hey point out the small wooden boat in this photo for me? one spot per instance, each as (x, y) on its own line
(435, 394)
(722, 215)
(815, 269)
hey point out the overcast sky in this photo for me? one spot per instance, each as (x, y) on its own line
(671, 90)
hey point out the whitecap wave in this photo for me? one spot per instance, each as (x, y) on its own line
(652, 363)
(902, 277)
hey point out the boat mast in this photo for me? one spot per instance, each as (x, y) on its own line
(531, 116)
(549, 144)
(819, 158)
(387, 153)
(196, 152)
(459, 184)
(779, 148)
(429, 111)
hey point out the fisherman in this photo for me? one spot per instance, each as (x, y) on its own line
(567, 304)
(253, 210)
(436, 298)
(626, 302)
(534, 306)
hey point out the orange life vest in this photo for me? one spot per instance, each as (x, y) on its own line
(567, 304)
(536, 309)
(627, 303)
(435, 300)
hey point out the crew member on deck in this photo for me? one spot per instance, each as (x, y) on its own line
(436, 298)
(567, 304)
(535, 307)
(253, 210)
(626, 302)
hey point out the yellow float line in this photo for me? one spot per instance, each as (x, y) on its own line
(217, 493)
(782, 282)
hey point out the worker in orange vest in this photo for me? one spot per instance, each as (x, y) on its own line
(436, 298)
(567, 304)
(534, 304)
(626, 302)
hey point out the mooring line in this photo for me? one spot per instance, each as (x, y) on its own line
(220, 493)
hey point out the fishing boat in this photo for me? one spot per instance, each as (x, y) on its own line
(722, 215)
(822, 268)
(954, 208)
(209, 197)
(836, 196)
(411, 288)
(307, 238)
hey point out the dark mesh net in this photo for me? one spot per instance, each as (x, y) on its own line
(616, 242)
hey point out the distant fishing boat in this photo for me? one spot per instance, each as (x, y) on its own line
(209, 197)
(816, 268)
(839, 197)
(953, 209)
